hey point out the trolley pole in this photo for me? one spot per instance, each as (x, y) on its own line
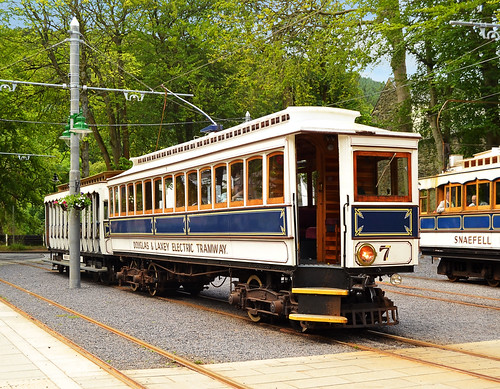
(74, 174)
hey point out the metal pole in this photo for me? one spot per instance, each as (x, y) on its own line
(74, 174)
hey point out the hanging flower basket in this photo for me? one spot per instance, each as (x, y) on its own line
(63, 204)
(77, 201)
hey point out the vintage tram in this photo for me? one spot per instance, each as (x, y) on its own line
(460, 217)
(303, 209)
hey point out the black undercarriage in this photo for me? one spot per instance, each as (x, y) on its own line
(264, 293)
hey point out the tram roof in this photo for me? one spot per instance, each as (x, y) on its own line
(482, 166)
(280, 124)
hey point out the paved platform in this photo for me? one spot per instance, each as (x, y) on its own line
(30, 357)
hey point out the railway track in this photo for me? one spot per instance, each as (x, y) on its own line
(379, 349)
(130, 382)
(407, 289)
(379, 334)
(175, 358)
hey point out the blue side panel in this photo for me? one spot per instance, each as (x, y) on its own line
(477, 221)
(496, 221)
(132, 226)
(385, 221)
(427, 223)
(269, 222)
(449, 222)
(170, 225)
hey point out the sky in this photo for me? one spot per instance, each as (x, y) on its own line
(382, 72)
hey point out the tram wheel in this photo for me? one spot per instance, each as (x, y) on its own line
(453, 278)
(493, 282)
(254, 282)
(154, 287)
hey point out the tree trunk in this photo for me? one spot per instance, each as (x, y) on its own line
(398, 65)
(432, 110)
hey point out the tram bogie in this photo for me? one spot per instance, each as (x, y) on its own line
(302, 209)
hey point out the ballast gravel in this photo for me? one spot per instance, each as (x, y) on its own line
(204, 336)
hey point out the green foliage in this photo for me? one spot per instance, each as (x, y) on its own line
(457, 76)
(233, 57)
(124, 164)
(371, 90)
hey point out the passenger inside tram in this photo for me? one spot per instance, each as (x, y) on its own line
(444, 203)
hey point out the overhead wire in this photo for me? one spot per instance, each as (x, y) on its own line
(123, 124)
(427, 77)
(297, 21)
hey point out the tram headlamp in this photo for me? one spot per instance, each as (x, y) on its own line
(396, 279)
(366, 254)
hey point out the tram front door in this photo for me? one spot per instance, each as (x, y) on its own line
(318, 199)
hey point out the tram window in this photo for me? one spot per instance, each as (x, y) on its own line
(424, 201)
(115, 201)
(237, 183)
(123, 200)
(106, 209)
(456, 196)
(484, 194)
(180, 192)
(432, 199)
(192, 180)
(221, 186)
(138, 197)
(148, 196)
(302, 189)
(471, 195)
(97, 217)
(130, 194)
(110, 202)
(497, 194)
(206, 187)
(254, 172)
(382, 176)
(158, 194)
(315, 178)
(275, 177)
(169, 193)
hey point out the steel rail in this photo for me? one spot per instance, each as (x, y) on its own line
(424, 343)
(389, 336)
(368, 348)
(441, 291)
(356, 345)
(91, 357)
(181, 361)
(419, 360)
(443, 299)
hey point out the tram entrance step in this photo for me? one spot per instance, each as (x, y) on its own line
(318, 318)
(324, 291)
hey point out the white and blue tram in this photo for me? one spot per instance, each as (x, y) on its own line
(303, 209)
(460, 217)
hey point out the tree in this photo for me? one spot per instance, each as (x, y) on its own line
(458, 71)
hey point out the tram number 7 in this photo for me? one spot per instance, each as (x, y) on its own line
(386, 253)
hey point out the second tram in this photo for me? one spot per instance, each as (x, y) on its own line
(460, 217)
